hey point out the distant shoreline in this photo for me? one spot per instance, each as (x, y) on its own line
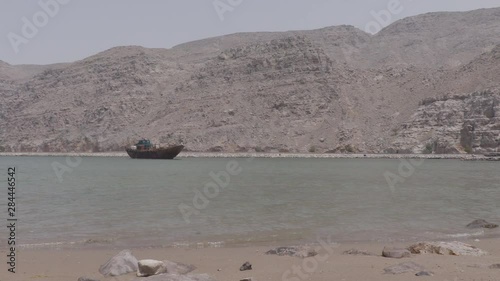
(257, 155)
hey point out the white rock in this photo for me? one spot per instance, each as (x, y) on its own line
(150, 267)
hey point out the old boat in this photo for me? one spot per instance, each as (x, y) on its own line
(144, 149)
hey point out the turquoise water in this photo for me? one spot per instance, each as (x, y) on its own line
(137, 202)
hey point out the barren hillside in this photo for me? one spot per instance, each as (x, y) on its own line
(335, 89)
(436, 40)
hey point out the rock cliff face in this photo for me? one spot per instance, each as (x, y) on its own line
(269, 96)
(456, 124)
(335, 89)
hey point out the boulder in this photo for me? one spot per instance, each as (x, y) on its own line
(300, 252)
(123, 263)
(150, 267)
(177, 277)
(246, 266)
(395, 253)
(446, 248)
(403, 268)
(481, 224)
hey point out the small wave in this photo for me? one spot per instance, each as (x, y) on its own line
(50, 245)
(66, 243)
(462, 235)
(218, 244)
(200, 245)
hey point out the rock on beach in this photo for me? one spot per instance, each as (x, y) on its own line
(122, 263)
(301, 252)
(150, 267)
(395, 253)
(481, 224)
(446, 248)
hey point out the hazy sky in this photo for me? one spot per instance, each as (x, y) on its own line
(36, 33)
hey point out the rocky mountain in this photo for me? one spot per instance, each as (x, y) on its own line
(336, 89)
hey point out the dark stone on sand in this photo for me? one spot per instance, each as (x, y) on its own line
(424, 273)
(481, 224)
(495, 266)
(356, 252)
(395, 253)
(301, 252)
(247, 279)
(246, 266)
(403, 268)
(123, 263)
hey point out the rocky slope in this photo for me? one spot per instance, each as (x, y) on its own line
(436, 40)
(335, 89)
(457, 122)
(454, 124)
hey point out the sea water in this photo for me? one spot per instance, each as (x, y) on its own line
(217, 201)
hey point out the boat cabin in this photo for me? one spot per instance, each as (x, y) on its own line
(144, 144)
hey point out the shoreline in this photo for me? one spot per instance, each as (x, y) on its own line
(243, 241)
(257, 155)
(331, 263)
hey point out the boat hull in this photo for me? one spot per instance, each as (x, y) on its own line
(158, 153)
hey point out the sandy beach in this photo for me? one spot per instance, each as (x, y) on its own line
(223, 263)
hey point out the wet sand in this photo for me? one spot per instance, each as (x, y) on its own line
(223, 263)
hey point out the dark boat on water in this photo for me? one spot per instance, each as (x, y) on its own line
(144, 149)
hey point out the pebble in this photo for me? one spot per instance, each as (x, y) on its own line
(424, 273)
(246, 266)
